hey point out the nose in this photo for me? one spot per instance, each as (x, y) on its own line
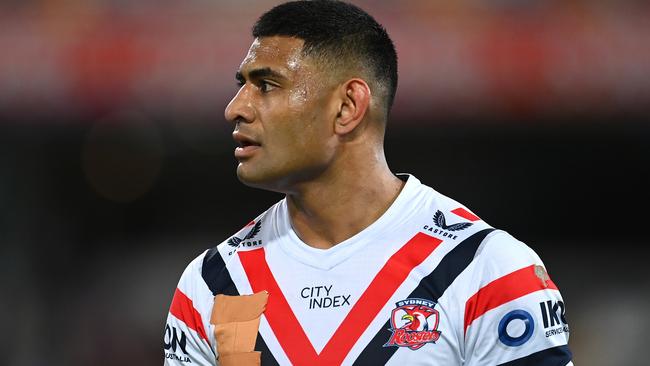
(240, 108)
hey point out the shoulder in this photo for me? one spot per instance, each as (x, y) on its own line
(502, 252)
(497, 249)
(191, 272)
(507, 275)
(255, 234)
(506, 268)
(510, 287)
(448, 219)
(445, 209)
(500, 281)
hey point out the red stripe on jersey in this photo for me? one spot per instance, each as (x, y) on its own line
(183, 308)
(380, 290)
(278, 313)
(289, 332)
(465, 214)
(505, 289)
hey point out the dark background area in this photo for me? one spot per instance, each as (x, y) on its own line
(117, 167)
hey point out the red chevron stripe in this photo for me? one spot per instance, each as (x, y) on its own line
(183, 308)
(278, 313)
(287, 328)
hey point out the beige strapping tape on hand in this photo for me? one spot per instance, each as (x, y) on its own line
(237, 321)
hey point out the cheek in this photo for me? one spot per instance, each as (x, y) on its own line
(307, 97)
(309, 106)
(297, 139)
(298, 97)
(301, 130)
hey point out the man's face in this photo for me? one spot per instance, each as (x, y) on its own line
(284, 116)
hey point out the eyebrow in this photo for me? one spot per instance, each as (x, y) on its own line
(259, 74)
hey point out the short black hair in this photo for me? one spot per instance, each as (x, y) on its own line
(336, 32)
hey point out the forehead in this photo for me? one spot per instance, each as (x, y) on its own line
(283, 54)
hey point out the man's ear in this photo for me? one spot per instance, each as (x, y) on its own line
(355, 100)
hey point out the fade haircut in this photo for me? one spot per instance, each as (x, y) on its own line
(339, 34)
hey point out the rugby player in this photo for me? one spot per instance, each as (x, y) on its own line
(356, 265)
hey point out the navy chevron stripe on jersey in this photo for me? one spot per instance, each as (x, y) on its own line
(216, 276)
(431, 287)
(556, 356)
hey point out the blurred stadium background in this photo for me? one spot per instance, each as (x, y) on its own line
(116, 164)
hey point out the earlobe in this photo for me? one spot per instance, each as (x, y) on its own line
(355, 100)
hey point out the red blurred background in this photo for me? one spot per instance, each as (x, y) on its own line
(497, 58)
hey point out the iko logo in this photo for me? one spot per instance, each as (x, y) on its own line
(506, 331)
(553, 316)
(414, 323)
(172, 341)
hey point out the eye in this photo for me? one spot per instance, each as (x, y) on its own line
(266, 87)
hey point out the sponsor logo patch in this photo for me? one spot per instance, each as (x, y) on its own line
(174, 341)
(414, 323)
(510, 328)
(553, 317)
(439, 220)
(322, 297)
(441, 228)
(247, 240)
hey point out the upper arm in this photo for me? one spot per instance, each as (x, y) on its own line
(515, 314)
(188, 336)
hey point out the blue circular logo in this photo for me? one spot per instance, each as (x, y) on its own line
(509, 340)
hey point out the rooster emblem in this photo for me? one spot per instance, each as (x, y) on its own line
(417, 318)
(414, 323)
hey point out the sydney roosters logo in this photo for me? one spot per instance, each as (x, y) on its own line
(414, 323)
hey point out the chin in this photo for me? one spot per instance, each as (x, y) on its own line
(275, 181)
(254, 178)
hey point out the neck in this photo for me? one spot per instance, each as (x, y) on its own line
(343, 201)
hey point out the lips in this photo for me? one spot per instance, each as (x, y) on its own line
(247, 145)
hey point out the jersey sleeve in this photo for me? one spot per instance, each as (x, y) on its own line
(188, 337)
(515, 314)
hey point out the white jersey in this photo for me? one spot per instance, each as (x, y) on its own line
(428, 283)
